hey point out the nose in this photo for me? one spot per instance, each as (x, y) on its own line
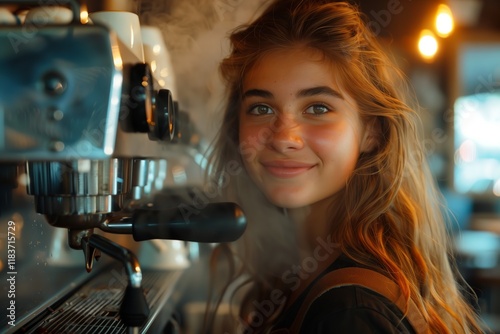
(286, 135)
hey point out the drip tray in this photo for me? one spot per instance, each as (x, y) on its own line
(95, 307)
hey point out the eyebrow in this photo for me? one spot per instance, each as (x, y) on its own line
(257, 93)
(320, 90)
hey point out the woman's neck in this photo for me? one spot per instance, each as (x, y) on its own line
(313, 223)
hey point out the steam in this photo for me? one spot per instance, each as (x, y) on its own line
(195, 33)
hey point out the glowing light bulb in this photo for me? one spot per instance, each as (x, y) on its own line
(427, 44)
(444, 21)
(84, 14)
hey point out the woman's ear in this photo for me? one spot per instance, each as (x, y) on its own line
(371, 137)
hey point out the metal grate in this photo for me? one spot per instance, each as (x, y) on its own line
(95, 307)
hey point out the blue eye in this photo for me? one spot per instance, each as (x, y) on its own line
(317, 109)
(260, 109)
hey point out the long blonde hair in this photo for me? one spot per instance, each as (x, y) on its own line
(391, 215)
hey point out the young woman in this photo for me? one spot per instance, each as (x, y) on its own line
(327, 165)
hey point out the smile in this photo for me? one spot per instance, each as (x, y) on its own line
(286, 169)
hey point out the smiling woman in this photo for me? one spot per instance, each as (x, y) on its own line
(316, 133)
(334, 181)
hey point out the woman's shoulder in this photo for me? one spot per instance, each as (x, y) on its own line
(345, 308)
(354, 309)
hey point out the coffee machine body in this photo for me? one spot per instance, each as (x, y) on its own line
(95, 158)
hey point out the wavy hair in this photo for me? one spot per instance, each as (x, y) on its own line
(391, 215)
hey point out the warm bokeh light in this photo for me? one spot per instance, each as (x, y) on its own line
(427, 44)
(444, 21)
(84, 14)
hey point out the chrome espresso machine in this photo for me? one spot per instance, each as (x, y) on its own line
(96, 162)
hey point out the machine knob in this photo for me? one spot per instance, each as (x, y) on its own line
(144, 109)
(164, 117)
(138, 95)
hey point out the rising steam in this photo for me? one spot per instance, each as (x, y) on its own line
(195, 33)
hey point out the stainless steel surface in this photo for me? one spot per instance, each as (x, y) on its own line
(70, 80)
(85, 136)
(46, 268)
(94, 307)
(49, 272)
(82, 110)
(148, 177)
(120, 253)
(79, 187)
(68, 94)
(78, 177)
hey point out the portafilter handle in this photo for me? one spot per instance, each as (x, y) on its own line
(212, 223)
(215, 222)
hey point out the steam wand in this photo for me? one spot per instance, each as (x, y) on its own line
(134, 310)
(215, 222)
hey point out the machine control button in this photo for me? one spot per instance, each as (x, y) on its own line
(55, 114)
(56, 146)
(54, 83)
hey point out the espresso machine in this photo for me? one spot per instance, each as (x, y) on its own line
(96, 163)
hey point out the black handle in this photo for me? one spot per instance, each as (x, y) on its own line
(73, 4)
(134, 310)
(215, 222)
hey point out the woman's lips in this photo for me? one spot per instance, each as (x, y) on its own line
(286, 169)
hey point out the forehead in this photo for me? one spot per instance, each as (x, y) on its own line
(289, 61)
(295, 67)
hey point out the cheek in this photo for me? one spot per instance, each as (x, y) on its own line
(322, 137)
(254, 137)
(339, 143)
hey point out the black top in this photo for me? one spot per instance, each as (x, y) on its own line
(347, 310)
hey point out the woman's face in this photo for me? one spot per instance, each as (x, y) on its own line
(300, 133)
